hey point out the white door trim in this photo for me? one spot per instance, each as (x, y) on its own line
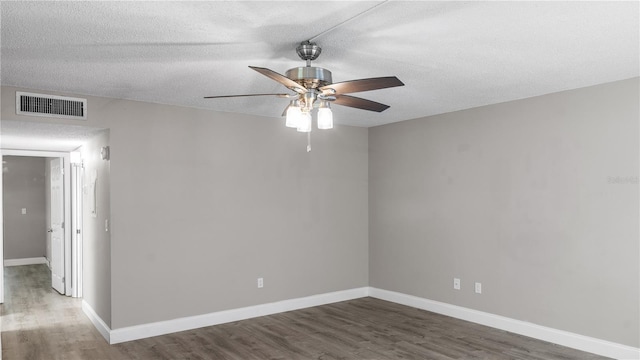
(1, 241)
(77, 231)
(67, 211)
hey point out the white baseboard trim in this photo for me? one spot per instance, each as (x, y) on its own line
(560, 337)
(193, 322)
(25, 261)
(100, 325)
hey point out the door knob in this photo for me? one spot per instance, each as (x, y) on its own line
(50, 230)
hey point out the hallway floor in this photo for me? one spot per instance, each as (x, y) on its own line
(38, 323)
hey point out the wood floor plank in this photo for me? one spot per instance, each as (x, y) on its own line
(38, 323)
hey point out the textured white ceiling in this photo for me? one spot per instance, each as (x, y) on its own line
(450, 55)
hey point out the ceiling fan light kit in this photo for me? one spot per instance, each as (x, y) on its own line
(314, 88)
(293, 114)
(325, 116)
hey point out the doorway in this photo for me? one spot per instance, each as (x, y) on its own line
(65, 228)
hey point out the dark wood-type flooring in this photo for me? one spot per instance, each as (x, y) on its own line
(38, 323)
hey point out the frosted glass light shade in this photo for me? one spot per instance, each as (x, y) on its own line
(294, 116)
(325, 118)
(305, 122)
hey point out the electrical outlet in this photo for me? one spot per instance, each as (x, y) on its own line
(456, 283)
(24, 211)
(478, 288)
(260, 283)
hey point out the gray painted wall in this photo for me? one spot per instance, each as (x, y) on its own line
(96, 240)
(521, 196)
(536, 199)
(204, 203)
(24, 187)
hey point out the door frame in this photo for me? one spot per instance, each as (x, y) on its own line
(71, 287)
(77, 232)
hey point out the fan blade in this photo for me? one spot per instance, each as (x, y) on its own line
(353, 86)
(230, 96)
(290, 84)
(359, 103)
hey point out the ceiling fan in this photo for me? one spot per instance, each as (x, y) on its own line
(313, 88)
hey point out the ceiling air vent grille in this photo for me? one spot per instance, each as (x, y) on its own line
(50, 105)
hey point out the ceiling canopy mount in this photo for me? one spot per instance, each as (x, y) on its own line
(308, 51)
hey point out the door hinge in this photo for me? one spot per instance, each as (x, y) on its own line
(62, 225)
(62, 279)
(78, 231)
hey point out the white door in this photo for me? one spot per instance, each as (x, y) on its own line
(56, 228)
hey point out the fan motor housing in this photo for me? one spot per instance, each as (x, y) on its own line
(310, 77)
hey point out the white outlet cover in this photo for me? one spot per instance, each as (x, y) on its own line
(456, 283)
(478, 288)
